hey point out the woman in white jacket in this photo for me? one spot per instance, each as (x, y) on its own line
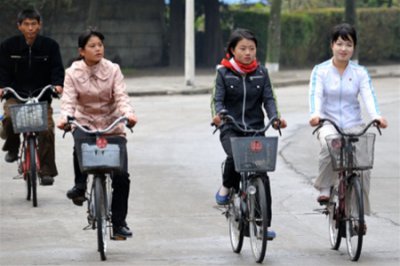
(334, 89)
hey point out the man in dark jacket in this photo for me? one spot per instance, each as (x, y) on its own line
(29, 62)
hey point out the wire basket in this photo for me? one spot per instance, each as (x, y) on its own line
(93, 159)
(254, 154)
(29, 117)
(360, 148)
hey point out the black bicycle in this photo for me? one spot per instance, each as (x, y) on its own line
(29, 118)
(99, 157)
(248, 209)
(351, 154)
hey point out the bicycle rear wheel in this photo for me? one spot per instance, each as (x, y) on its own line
(334, 222)
(355, 224)
(236, 227)
(258, 219)
(32, 177)
(101, 218)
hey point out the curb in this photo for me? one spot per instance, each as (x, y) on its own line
(201, 90)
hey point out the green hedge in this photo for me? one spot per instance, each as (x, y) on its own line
(305, 35)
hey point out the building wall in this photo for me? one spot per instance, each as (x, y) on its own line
(134, 29)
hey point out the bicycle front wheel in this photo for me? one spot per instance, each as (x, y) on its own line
(235, 221)
(101, 217)
(258, 218)
(32, 177)
(355, 224)
(335, 227)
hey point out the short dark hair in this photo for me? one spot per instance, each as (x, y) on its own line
(238, 35)
(29, 13)
(85, 36)
(345, 31)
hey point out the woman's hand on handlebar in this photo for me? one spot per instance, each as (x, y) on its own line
(279, 123)
(63, 124)
(132, 120)
(216, 120)
(314, 121)
(382, 122)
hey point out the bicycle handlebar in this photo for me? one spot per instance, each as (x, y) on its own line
(29, 99)
(71, 120)
(229, 119)
(374, 123)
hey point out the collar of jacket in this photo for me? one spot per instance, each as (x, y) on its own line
(83, 72)
(23, 45)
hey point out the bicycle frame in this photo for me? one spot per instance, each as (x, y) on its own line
(24, 162)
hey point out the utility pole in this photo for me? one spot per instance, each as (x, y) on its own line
(189, 43)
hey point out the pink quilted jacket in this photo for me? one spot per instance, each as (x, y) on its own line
(95, 95)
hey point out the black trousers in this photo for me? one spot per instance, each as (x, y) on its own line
(120, 180)
(231, 178)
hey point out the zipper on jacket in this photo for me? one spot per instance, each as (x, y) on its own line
(30, 57)
(244, 101)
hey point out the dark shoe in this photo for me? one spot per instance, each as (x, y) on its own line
(46, 180)
(77, 195)
(122, 232)
(271, 235)
(221, 200)
(11, 156)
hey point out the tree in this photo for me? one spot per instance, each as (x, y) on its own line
(351, 18)
(213, 36)
(274, 36)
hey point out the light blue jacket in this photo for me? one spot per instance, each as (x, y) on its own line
(336, 97)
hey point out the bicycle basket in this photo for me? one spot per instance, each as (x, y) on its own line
(254, 154)
(30, 117)
(93, 159)
(362, 152)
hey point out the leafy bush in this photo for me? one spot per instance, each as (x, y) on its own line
(305, 35)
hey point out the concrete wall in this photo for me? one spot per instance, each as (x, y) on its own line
(134, 29)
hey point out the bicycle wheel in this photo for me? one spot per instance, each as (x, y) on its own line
(32, 177)
(355, 224)
(334, 222)
(258, 219)
(24, 165)
(101, 220)
(236, 231)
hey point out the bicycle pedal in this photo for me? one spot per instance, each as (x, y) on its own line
(118, 238)
(322, 210)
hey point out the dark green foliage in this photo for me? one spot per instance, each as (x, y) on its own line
(305, 34)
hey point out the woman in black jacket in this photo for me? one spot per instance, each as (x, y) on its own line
(243, 88)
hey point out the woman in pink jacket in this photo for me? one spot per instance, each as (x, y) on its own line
(95, 94)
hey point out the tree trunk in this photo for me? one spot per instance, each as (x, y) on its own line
(92, 14)
(351, 18)
(274, 37)
(177, 33)
(213, 44)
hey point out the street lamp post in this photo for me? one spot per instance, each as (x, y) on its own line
(189, 43)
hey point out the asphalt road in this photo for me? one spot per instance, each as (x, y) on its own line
(175, 165)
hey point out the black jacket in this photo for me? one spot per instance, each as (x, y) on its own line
(27, 69)
(244, 96)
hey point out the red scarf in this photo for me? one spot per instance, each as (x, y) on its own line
(239, 67)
